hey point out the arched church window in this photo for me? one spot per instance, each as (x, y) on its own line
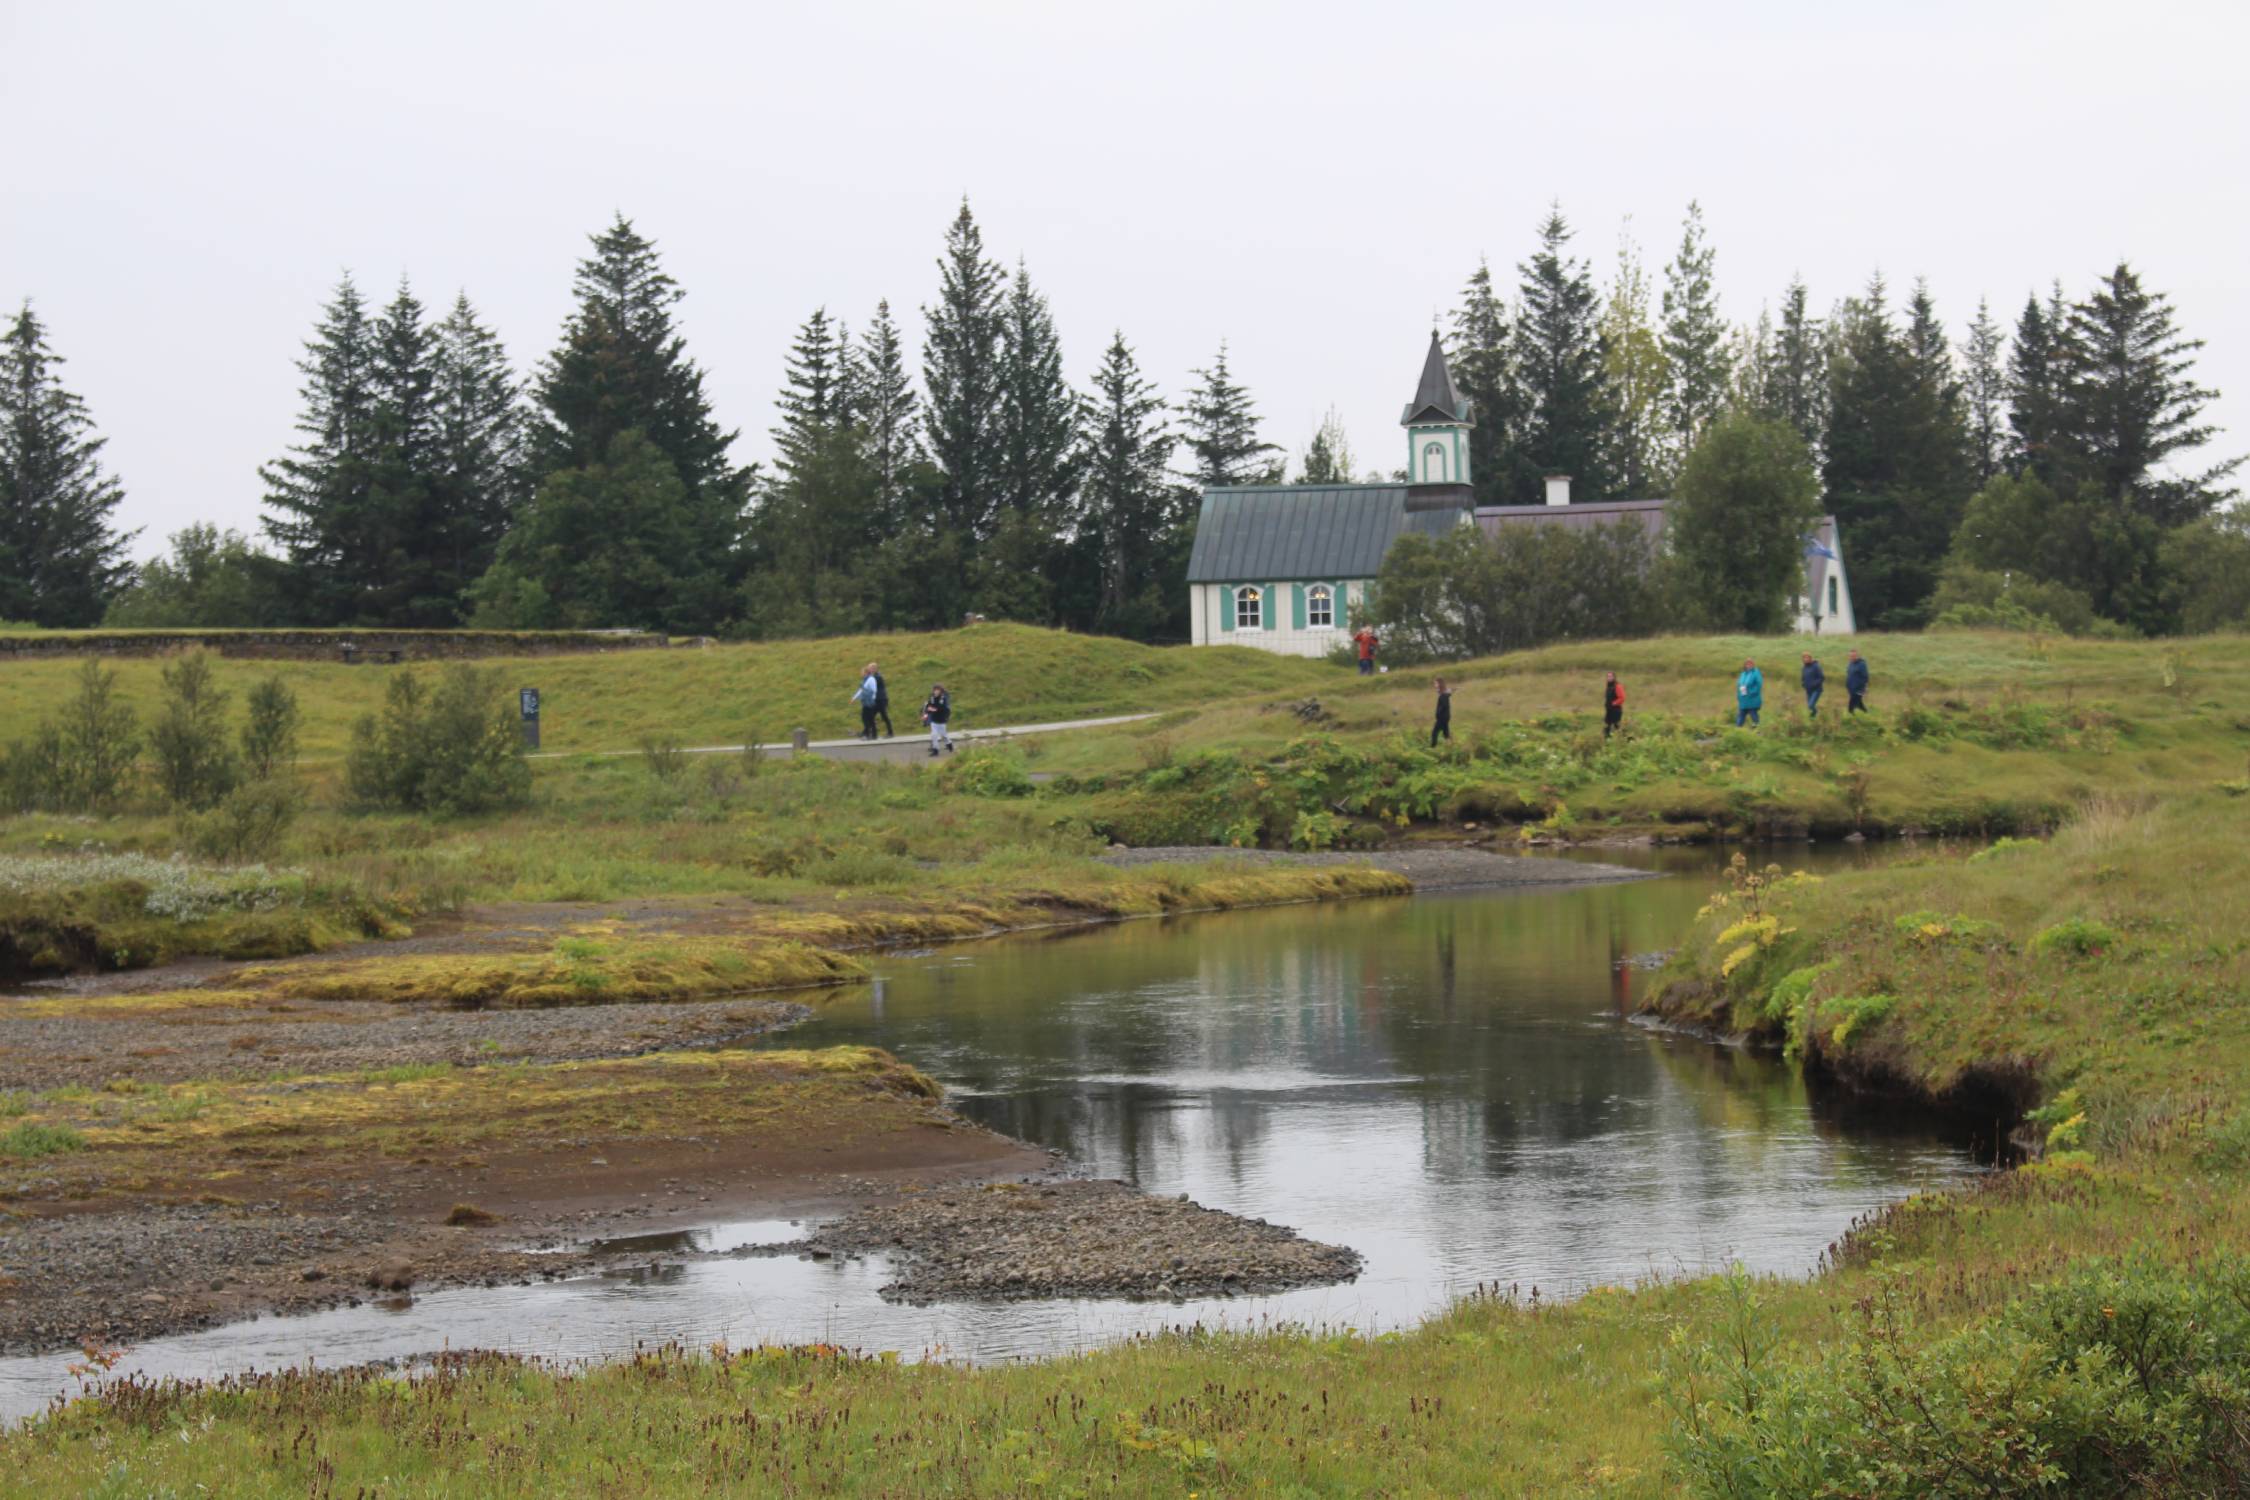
(1248, 605)
(1320, 606)
(1433, 463)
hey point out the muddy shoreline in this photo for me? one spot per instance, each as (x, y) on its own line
(1430, 867)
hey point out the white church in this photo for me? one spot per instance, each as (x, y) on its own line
(1286, 567)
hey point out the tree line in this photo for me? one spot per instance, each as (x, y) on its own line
(2024, 473)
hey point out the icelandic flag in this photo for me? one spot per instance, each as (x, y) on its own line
(1813, 548)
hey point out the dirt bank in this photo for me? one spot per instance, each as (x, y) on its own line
(1431, 869)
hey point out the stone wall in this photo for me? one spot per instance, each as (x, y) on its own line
(324, 645)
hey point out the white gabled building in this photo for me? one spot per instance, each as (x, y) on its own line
(1287, 567)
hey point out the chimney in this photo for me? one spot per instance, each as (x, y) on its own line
(1558, 489)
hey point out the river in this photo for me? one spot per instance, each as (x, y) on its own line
(1447, 1083)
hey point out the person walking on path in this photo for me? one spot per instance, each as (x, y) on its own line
(1613, 705)
(1444, 724)
(1814, 680)
(882, 703)
(1855, 683)
(865, 698)
(935, 713)
(1749, 694)
(1364, 638)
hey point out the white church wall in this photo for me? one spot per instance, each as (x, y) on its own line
(1277, 630)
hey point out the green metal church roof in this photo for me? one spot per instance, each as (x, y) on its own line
(1259, 533)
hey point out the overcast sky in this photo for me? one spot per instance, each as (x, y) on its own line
(182, 185)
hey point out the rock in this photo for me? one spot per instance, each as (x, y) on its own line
(394, 1276)
(313, 1273)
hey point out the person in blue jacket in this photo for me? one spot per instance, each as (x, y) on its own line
(1814, 680)
(1749, 694)
(1855, 683)
(870, 691)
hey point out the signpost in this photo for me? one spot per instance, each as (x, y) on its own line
(528, 699)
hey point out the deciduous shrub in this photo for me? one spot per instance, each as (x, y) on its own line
(79, 761)
(452, 748)
(269, 734)
(195, 764)
(248, 824)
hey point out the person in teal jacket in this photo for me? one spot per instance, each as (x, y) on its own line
(1749, 694)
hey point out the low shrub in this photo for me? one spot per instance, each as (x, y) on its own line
(2076, 937)
(31, 1139)
(196, 764)
(453, 748)
(248, 824)
(988, 772)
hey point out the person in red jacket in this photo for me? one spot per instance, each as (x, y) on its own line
(1613, 705)
(1364, 638)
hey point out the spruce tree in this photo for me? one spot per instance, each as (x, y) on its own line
(1559, 358)
(813, 398)
(320, 494)
(2130, 404)
(1985, 387)
(61, 559)
(1695, 346)
(2035, 390)
(1134, 515)
(888, 415)
(379, 580)
(1797, 391)
(961, 375)
(622, 367)
(477, 445)
(1642, 453)
(1222, 432)
(1481, 356)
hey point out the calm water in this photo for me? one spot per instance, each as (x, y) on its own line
(1444, 1083)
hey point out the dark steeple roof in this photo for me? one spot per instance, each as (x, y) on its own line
(1435, 399)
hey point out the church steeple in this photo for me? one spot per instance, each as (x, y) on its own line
(1437, 423)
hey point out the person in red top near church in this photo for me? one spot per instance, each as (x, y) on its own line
(1364, 638)
(1613, 705)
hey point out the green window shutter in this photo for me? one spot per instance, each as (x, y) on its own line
(1226, 607)
(1343, 608)
(1267, 620)
(1297, 605)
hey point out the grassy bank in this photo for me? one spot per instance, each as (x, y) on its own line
(2066, 1328)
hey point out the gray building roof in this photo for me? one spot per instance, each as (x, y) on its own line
(1261, 533)
(1436, 394)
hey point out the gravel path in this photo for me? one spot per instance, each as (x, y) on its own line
(1429, 869)
(1011, 1241)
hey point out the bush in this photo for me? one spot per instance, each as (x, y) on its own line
(2122, 1379)
(31, 1139)
(269, 735)
(2076, 937)
(195, 766)
(248, 824)
(982, 772)
(662, 754)
(79, 761)
(452, 749)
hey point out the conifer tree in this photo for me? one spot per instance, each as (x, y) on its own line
(622, 367)
(1559, 361)
(1695, 345)
(2034, 392)
(1038, 418)
(477, 445)
(1481, 356)
(888, 414)
(319, 495)
(61, 558)
(1133, 512)
(1639, 373)
(378, 580)
(961, 376)
(1797, 391)
(814, 393)
(1221, 432)
(2130, 403)
(1328, 457)
(1985, 387)
(1897, 462)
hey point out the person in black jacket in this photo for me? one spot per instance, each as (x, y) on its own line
(1613, 705)
(1444, 724)
(1855, 683)
(1814, 680)
(882, 704)
(936, 713)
